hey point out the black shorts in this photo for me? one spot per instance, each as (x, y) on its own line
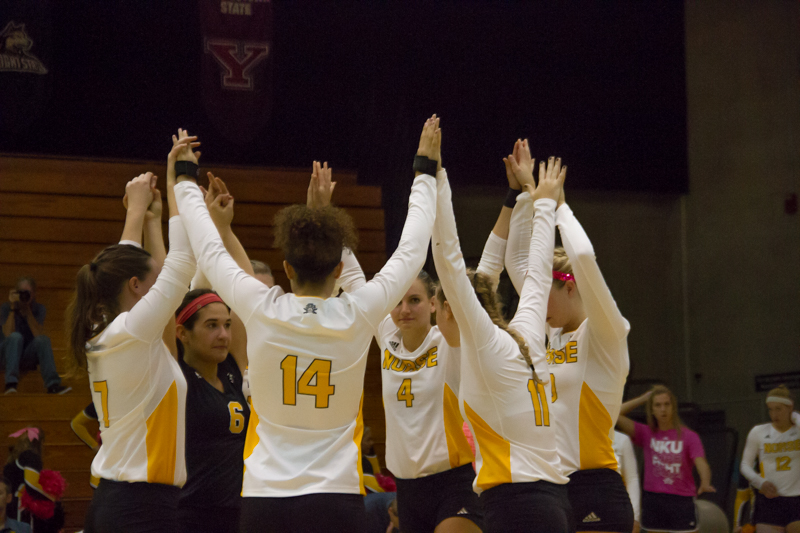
(668, 512)
(779, 511)
(208, 519)
(525, 507)
(424, 502)
(600, 501)
(311, 513)
(122, 507)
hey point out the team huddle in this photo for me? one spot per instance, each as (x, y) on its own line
(237, 407)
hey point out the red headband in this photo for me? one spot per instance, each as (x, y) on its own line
(562, 276)
(197, 304)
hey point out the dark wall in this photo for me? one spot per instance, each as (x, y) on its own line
(600, 84)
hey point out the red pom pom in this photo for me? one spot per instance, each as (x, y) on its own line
(386, 483)
(52, 483)
(43, 509)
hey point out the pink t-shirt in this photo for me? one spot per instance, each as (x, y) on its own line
(668, 459)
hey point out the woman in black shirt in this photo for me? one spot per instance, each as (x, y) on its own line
(216, 414)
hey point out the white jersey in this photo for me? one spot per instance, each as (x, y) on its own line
(137, 386)
(424, 433)
(307, 356)
(424, 427)
(778, 456)
(626, 458)
(508, 412)
(588, 367)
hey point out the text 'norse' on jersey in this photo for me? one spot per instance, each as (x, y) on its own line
(428, 359)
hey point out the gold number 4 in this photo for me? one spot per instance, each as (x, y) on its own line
(539, 398)
(322, 390)
(404, 393)
(102, 388)
(783, 464)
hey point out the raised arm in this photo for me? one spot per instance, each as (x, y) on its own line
(531, 316)
(320, 191)
(520, 164)
(240, 290)
(139, 195)
(149, 317)
(494, 251)
(378, 296)
(220, 206)
(637, 402)
(153, 232)
(473, 321)
(605, 320)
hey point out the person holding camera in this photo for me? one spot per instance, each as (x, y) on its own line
(23, 343)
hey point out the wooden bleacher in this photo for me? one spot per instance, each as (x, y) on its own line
(57, 213)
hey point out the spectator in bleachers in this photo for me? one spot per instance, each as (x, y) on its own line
(263, 273)
(626, 459)
(8, 525)
(35, 491)
(23, 344)
(670, 451)
(777, 446)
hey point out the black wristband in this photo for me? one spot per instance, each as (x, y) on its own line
(511, 198)
(187, 168)
(425, 165)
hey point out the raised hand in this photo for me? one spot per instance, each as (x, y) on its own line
(155, 208)
(521, 163)
(320, 188)
(139, 192)
(430, 140)
(219, 202)
(512, 180)
(186, 152)
(551, 180)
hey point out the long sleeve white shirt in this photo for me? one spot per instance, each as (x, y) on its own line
(307, 356)
(137, 386)
(509, 415)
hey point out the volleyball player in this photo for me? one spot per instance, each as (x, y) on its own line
(213, 357)
(307, 356)
(777, 446)
(139, 391)
(426, 448)
(504, 390)
(587, 357)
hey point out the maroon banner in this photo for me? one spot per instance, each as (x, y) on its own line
(26, 84)
(237, 65)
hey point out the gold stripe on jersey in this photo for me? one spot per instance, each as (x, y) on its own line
(161, 440)
(357, 435)
(458, 449)
(251, 437)
(594, 426)
(495, 452)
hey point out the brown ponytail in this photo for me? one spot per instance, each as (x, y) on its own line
(94, 303)
(488, 299)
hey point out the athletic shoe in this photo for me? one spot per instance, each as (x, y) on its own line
(11, 388)
(58, 389)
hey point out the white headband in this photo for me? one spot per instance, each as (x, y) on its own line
(777, 399)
